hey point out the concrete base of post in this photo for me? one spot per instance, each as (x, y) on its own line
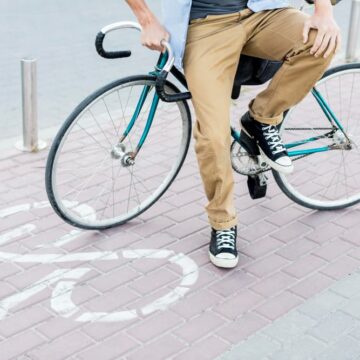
(41, 145)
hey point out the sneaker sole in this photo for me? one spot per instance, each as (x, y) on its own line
(223, 263)
(272, 164)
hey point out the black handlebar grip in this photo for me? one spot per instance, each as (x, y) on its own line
(159, 86)
(99, 44)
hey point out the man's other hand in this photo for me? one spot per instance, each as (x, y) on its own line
(328, 36)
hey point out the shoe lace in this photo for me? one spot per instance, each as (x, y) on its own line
(271, 133)
(225, 238)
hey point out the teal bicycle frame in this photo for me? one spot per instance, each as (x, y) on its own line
(330, 115)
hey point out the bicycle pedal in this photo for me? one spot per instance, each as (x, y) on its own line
(249, 144)
(257, 186)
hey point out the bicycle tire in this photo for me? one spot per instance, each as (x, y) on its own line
(282, 179)
(50, 180)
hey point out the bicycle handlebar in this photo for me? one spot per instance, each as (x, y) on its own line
(161, 78)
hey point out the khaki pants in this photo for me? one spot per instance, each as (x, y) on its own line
(211, 58)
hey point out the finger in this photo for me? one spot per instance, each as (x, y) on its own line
(331, 47)
(306, 32)
(324, 45)
(317, 43)
(338, 43)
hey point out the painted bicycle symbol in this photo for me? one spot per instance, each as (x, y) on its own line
(64, 281)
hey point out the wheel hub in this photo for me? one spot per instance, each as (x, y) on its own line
(341, 141)
(118, 152)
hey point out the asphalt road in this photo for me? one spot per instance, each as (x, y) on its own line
(60, 34)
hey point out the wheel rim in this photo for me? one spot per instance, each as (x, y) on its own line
(328, 179)
(87, 169)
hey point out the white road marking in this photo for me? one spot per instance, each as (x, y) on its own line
(57, 258)
(61, 298)
(14, 300)
(13, 234)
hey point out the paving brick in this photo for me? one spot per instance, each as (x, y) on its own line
(186, 228)
(289, 327)
(349, 219)
(153, 281)
(154, 326)
(22, 320)
(191, 210)
(206, 349)
(352, 235)
(278, 305)
(63, 347)
(266, 265)
(120, 276)
(341, 267)
(273, 284)
(255, 348)
(255, 231)
(296, 249)
(199, 326)
(160, 349)
(236, 306)
(334, 326)
(242, 327)
(304, 266)
(112, 300)
(231, 284)
(186, 197)
(56, 327)
(191, 243)
(333, 249)
(352, 307)
(312, 285)
(316, 219)
(325, 233)
(153, 226)
(349, 286)
(261, 247)
(253, 215)
(20, 344)
(196, 303)
(110, 348)
(305, 347)
(159, 208)
(285, 216)
(321, 305)
(293, 231)
(345, 348)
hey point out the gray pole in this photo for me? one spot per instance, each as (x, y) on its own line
(30, 141)
(354, 32)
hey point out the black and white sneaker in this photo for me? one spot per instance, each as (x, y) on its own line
(269, 142)
(222, 249)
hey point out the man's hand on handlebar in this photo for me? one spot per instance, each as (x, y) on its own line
(152, 31)
(152, 35)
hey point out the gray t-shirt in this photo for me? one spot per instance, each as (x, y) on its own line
(202, 8)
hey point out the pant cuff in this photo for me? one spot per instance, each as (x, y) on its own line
(217, 225)
(276, 120)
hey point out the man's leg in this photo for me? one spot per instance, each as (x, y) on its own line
(211, 58)
(277, 35)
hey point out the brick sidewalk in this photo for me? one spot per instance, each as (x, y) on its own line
(149, 305)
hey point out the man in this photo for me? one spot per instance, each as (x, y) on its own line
(208, 37)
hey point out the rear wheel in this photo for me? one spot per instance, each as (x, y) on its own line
(90, 181)
(331, 179)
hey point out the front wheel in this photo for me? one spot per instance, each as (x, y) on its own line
(92, 179)
(326, 180)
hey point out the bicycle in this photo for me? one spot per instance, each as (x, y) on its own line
(123, 146)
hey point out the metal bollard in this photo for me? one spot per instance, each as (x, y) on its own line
(354, 32)
(30, 141)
